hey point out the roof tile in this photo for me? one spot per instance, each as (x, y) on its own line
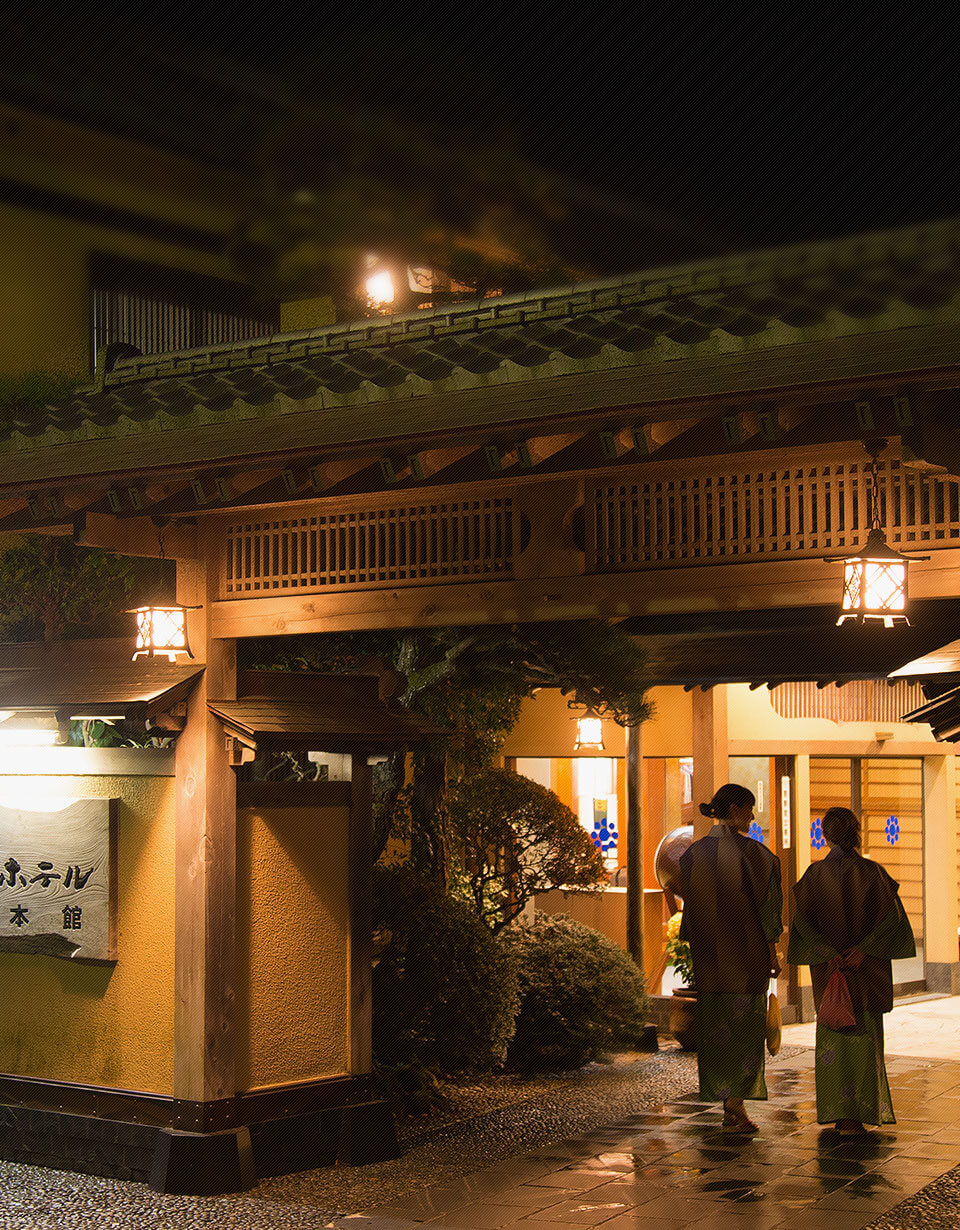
(586, 324)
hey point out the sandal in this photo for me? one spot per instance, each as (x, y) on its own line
(851, 1127)
(738, 1122)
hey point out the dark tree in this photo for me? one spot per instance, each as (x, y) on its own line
(514, 838)
(472, 681)
(50, 586)
(395, 146)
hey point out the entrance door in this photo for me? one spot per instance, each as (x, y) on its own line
(764, 776)
(887, 793)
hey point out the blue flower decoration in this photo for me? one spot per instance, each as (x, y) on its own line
(817, 839)
(892, 830)
(756, 832)
(604, 835)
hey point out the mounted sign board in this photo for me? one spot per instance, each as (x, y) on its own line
(785, 825)
(58, 881)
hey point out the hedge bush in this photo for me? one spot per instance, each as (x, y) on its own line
(444, 989)
(517, 839)
(580, 995)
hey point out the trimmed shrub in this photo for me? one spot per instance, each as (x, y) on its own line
(444, 990)
(517, 839)
(580, 995)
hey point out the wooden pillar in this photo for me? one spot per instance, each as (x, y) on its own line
(204, 1035)
(711, 760)
(940, 874)
(801, 848)
(361, 917)
(635, 818)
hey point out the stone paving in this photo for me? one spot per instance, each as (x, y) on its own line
(673, 1166)
(922, 1025)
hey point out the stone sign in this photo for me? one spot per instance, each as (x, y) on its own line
(58, 890)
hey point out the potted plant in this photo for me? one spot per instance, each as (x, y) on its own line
(683, 1024)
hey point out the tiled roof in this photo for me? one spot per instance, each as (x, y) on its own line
(861, 285)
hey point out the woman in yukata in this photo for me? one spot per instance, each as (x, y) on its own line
(732, 918)
(849, 915)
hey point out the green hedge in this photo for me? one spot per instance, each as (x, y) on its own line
(444, 989)
(580, 995)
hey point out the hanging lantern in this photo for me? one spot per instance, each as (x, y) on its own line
(162, 626)
(161, 632)
(875, 579)
(589, 732)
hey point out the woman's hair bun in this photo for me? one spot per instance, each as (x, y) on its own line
(706, 809)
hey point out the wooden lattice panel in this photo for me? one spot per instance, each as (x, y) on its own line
(956, 769)
(892, 818)
(830, 786)
(427, 542)
(763, 512)
(864, 700)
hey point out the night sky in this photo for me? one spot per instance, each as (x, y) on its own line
(766, 123)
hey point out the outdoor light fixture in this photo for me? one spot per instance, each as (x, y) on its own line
(162, 626)
(589, 732)
(38, 728)
(875, 580)
(379, 286)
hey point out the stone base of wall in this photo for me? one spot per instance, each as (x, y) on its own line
(202, 1163)
(943, 977)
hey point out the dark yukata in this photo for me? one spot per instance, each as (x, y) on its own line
(847, 901)
(732, 912)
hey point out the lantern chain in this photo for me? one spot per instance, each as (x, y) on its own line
(875, 522)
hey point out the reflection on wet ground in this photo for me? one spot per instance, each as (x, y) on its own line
(673, 1166)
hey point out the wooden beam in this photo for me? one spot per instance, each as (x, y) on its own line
(711, 768)
(360, 893)
(647, 438)
(137, 536)
(930, 441)
(757, 585)
(635, 822)
(205, 895)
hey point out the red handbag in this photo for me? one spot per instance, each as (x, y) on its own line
(836, 1007)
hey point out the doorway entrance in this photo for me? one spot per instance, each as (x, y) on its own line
(886, 792)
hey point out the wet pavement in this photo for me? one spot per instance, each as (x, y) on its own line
(920, 1025)
(673, 1166)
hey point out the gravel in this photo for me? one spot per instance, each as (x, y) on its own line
(489, 1121)
(934, 1206)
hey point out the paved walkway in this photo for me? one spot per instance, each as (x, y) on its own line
(921, 1026)
(673, 1166)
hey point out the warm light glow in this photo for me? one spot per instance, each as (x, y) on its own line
(161, 632)
(874, 589)
(875, 580)
(380, 288)
(589, 733)
(595, 778)
(29, 730)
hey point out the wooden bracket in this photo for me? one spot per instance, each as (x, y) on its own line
(173, 719)
(238, 752)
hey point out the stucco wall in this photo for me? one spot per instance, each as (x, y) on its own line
(751, 716)
(292, 945)
(102, 1024)
(44, 292)
(546, 727)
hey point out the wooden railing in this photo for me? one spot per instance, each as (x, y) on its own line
(761, 512)
(416, 544)
(663, 517)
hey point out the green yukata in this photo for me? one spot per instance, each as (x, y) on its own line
(732, 912)
(847, 901)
